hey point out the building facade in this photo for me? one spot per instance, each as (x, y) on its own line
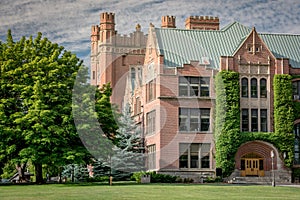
(168, 76)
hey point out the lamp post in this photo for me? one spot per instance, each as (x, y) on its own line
(273, 173)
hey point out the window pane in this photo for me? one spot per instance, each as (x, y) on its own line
(183, 119)
(183, 155)
(263, 88)
(254, 120)
(205, 118)
(244, 87)
(263, 120)
(194, 119)
(183, 86)
(245, 120)
(254, 88)
(194, 150)
(205, 158)
(194, 86)
(205, 82)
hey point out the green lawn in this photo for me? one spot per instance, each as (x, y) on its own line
(147, 192)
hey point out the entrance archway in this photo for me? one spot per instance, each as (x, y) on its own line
(254, 159)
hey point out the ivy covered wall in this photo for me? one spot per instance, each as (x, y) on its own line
(227, 134)
(227, 119)
(284, 116)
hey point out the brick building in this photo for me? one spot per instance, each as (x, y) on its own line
(167, 77)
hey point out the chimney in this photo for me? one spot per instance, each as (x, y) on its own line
(168, 22)
(202, 23)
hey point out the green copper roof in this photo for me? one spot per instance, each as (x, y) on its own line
(180, 46)
(284, 46)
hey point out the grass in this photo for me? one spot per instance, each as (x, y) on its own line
(146, 191)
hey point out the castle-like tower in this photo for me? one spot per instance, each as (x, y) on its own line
(112, 55)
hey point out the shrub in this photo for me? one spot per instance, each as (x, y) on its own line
(154, 177)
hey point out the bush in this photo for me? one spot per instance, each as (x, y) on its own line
(154, 177)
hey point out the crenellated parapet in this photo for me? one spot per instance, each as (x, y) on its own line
(202, 23)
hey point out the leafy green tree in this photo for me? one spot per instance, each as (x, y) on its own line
(36, 121)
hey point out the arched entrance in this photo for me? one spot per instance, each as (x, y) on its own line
(254, 159)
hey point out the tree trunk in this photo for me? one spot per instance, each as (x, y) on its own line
(21, 169)
(38, 173)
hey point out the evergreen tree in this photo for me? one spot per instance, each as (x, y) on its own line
(128, 156)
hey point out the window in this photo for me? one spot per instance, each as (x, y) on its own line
(263, 120)
(244, 87)
(150, 123)
(296, 90)
(194, 119)
(296, 144)
(150, 91)
(194, 86)
(263, 88)
(194, 155)
(254, 120)
(254, 88)
(245, 120)
(133, 79)
(94, 75)
(151, 154)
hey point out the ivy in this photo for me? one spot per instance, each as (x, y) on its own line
(227, 134)
(284, 116)
(227, 119)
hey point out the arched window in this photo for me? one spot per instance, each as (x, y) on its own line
(254, 88)
(244, 87)
(263, 88)
(297, 144)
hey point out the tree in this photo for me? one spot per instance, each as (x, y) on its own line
(128, 155)
(36, 121)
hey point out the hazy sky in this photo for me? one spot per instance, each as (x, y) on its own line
(68, 22)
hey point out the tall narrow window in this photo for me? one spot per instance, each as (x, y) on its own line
(205, 115)
(296, 90)
(245, 120)
(183, 119)
(94, 75)
(194, 153)
(194, 119)
(151, 156)
(133, 78)
(183, 155)
(263, 120)
(150, 87)
(254, 120)
(244, 87)
(204, 86)
(263, 88)
(183, 86)
(194, 86)
(254, 88)
(150, 122)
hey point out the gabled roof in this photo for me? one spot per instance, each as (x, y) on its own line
(180, 46)
(284, 46)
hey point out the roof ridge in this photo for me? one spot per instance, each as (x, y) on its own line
(280, 34)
